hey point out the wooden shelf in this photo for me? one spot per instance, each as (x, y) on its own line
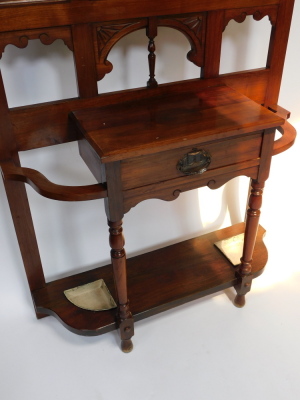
(157, 281)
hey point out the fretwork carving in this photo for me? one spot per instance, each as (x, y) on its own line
(193, 28)
(195, 24)
(106, 32)
(21, 39)
(239, 15)
(107, 36)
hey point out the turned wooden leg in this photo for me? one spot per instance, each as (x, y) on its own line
(118, 259)
(243, 273)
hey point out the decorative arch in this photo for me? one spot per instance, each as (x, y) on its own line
(193, 28)
(107, 35)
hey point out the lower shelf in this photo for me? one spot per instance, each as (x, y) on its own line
(157, 281)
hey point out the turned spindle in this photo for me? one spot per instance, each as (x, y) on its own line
(118, 259)
(252, 220)
(151, 33)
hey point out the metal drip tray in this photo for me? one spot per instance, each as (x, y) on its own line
(93, 296)
(232, 248)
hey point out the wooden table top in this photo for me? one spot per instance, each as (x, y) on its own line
(149, 126)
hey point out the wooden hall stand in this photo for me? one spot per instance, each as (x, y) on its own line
(152, 142)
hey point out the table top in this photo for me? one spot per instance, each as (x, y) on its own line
(138, 128)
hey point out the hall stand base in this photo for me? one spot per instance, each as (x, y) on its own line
(173, 275)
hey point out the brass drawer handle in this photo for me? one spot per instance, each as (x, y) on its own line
(195, 162)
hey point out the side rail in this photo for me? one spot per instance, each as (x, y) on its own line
(287, 139)
(49, 189)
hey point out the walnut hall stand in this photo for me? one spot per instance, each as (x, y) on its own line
(152, 142)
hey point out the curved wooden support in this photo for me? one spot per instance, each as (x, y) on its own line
(50, 190)
(287, 139)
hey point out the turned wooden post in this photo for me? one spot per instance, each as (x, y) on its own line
(151, 33)
(114, 211)
(118, 259)
(243, 273)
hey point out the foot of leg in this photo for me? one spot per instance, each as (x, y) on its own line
(126, 346)
(126, 327)
(239, 300)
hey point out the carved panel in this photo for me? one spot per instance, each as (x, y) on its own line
(193, 27)
(107, 35)
(20, 39)
(239, 15)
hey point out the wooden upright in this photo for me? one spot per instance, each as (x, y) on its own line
(152, 142)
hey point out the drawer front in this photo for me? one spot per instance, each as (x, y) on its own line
(159, 167)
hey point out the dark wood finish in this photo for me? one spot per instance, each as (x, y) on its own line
(145, 170)
(118, 260)
(8, 145)
(214, 31)
(49, 189)
(21, 215)
(152, 33)
(193, 27)
(168, 122)
(244, 272)
(114, 202)
(18, 203)
(132, 141)
(278, 45)
(34, 128)
(171, 189)
(85, 60)
(21, 39)
(287, 139)
(239, 15)
(108, 34)
(40, 14)
(151, 271)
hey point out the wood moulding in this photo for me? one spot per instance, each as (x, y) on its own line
(169, 190)
(192, 26)
(107, 35)
(47, 36)
(43, 13)
(196, 262)
(258, 13)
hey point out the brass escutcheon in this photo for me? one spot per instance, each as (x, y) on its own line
(195, 162)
